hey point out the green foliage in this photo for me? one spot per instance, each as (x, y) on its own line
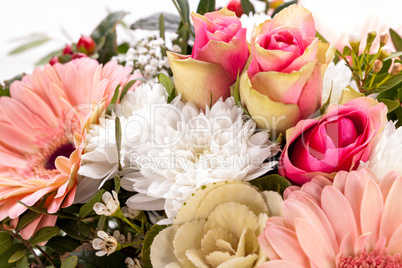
(118, 135)
(76, 229)
(88, 259)
(271, 182)
(70, 262)
(87, 208)
(5, 242)
(44, 234)
(396, 40)
(184, 30)
(247, 7)
(17, 255)
(146, 246)
(104, 36)
(206, 6)
(128, 86)
(391, 104)
(7, 254)
(22, 263)
(169, 86)
(29, 45)
(47, 58)
(62, 244)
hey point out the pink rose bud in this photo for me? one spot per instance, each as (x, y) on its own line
(283, 83)
(219, 54)
(67, 50)
(235, 6)
(86, 45)
(78, 55)
(339, 140)
(53, 60)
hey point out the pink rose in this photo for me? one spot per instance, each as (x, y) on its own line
(284, 78)
(220, 52)
(337, 141)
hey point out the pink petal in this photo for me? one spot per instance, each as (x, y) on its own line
(281, 264)
(286, 245)
(316, 247)
(339, 213)
(387, 182)
(395, 243)
(392, 215)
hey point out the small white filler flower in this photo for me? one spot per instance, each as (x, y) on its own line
(109, 206)
(106, 244)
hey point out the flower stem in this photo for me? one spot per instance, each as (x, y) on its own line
(46, 256)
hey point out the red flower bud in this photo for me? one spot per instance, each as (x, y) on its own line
(78, 55)
(235, 6)
(67, 50)
(53, 60)
(86, 45)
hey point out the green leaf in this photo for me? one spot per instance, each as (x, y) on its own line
(112, 103)
(391, 104)
(281, 7)
(5, 242)
(400, 94)
(62, 244)
(87, 208)
(347, 51)
(162, 26)
(146, 246)
(118, 136)
(117, 182)
(234, 91)
(123, 48)
(129, 85)
(17, 256)
(393, 81)
(169, 86)
(206, 6)
(26, 219)
(70, 262)
(184, 11)
(105, 36)
(393, 55)
(4, 257)
(22, 263)
(44, 211)
(247, 7)
(76, 229)
(272, 182)
(396, 39)
(386, 64)
(47, 58)
(45, 234)
(102, 223)
(88, 259)
(28, 46)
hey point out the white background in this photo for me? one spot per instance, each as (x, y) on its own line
(19, 18)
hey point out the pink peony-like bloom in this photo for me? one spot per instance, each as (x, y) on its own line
(356, 221)
(283, 83)
(220, 52)
(337, 141)
(41, 126)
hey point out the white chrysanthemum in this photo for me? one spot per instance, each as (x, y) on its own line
(386, 156)
(100, 161)
(337, 77)
(251, 20)
(190, 149)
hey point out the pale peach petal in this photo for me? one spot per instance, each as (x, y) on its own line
(342, 220)
(387, 182)
(280, 263)
(29, 230)
(392, 215)
(395, 245)
(297, 17)
(286, 245)
(314, 245)
(354, 189)
(371, 211)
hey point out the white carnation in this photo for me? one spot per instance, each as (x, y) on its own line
(188, 149)
(386, 156)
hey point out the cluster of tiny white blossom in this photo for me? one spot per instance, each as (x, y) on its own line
(146, 56)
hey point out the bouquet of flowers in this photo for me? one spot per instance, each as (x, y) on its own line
(243, 139)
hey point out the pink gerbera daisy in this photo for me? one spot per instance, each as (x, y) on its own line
(39, 156)
(354, 221)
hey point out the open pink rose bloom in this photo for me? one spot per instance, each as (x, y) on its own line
(337, 141)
